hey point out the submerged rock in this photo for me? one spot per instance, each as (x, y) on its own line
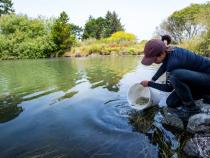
(171, 120)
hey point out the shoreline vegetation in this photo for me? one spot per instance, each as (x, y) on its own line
(120, 43)
(22, 37)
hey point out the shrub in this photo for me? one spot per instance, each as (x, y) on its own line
(193, 44)
(122, 36)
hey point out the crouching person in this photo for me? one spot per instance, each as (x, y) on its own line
(188, 75)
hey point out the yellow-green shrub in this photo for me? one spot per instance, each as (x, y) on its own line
(121, 36)
(109, 46)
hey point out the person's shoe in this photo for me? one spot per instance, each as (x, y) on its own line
(183, 115)
(186, 112)
(191, 109)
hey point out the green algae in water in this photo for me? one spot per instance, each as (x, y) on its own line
(142, 100)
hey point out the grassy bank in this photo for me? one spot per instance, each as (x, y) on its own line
(123, 47)
(107, 47)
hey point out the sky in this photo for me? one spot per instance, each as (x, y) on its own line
(139, 17)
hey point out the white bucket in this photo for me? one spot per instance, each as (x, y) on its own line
(154, 96)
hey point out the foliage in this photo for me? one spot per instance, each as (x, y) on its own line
(94, 28)
(22, 37)
(62, 34)
(189, 27)
(120, 36)
(102, 27)
(204, 18)
(120, 43)
(192, 44)
(182, 24)
(76, 31)
(113, 24)
(6, 7)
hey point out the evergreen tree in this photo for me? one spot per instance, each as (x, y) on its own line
(94, 28)
(76, 30)
(62, 34)
(102, 27)
(6, 7)
(113, 24)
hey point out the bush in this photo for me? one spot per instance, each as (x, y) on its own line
(122, 36)
(194, 44)
(107, 47)
(22, 37)
(94, 48)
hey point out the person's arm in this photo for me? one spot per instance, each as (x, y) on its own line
(162, 87)
(161, 70)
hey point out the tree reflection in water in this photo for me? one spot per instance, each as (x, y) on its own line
(9, 108)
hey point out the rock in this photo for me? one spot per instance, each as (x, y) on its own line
(171, 120)
(206, 109)
(198, 146)
(199, 123)
(78, 54)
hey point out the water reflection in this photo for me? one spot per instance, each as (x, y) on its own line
(107, 72)
(26, 80)
(69, 108)
(9, 108)
(78, 108)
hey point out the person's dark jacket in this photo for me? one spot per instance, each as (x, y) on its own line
(179, 58)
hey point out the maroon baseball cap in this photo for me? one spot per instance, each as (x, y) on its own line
(152, 49)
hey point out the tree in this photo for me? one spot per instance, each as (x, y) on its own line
(6, 7)
(94, 28)
(76, 30)
(204, 18)
(102, 27)
(113, 24)
(22, 37)
(182, 25)
(62, 34)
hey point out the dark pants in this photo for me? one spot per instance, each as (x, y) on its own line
(188, 86)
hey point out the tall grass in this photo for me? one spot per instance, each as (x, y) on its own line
(120, 43)
(193, 44)
(106, 47)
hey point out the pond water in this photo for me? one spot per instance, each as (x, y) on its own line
(73, 108)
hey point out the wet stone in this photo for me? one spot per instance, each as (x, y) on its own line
(199, 123)
(198, 146)
(205, 108)
(171, 120)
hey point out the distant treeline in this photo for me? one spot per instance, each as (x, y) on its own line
(24, 37)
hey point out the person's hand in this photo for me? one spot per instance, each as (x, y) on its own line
(144, 83)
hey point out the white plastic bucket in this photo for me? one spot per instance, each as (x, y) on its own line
(154, 96)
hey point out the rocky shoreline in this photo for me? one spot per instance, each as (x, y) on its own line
(174, 137)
